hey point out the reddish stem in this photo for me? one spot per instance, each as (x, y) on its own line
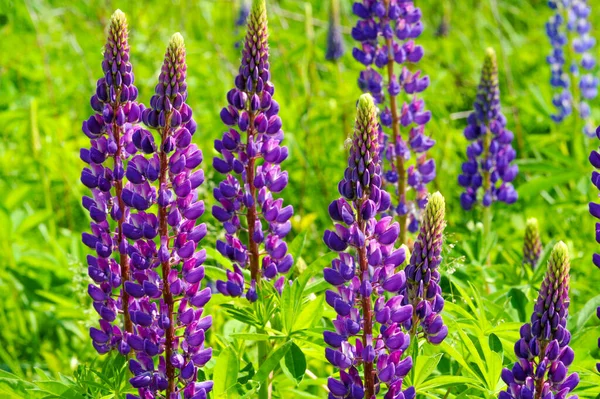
(163, 229)
(367, 315)
(123, 258)
(396, 132)
(252, 215)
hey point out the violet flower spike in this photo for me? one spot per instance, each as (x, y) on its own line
(368, 329)
(387, 30)
(488, 173)
(569, 33)
(543, 351)
(167, 309)
(110, 130)
(335, 39)
(422, 290)
(532, 244)
(250, 157)
(595, 211)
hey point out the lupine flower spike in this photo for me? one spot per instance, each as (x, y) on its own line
(167, 305)
(368, 331)
(251, 153)
(386, 31)
(543, 351)
(110, 130)
(422, 289)
(569, 33)
(532, 244)
(335, 40)
(489, 170)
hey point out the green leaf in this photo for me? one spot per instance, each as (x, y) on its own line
(226, 371)
(519, 301)
(294, 364)
(255, 336)
(495, 344)
(586, 312)
(424, 367)
(269, 365)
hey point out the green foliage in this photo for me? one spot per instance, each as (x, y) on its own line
(50, 56)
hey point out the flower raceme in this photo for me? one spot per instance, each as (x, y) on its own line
(488, 172)
(368, 328)
(532, 244)
(167, 309)
(335, 40)
(110, 130)
(595, 211)
(387, 30)
(422, 290)
(250, 157)
(543, 351)
(569, 33)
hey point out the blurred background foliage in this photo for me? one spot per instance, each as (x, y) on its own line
(50, 53)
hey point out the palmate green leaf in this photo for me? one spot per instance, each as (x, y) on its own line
(519, 301)
(309, 314)
(293, 364)
(424, 366)
(226, 371)
(269, 365)
(445, 381)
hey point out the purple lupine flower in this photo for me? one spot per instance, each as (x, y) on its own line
(543, 351)
(167, 299)
(387, 30)
(569, 33)
(490, 154)
(422, 289)
(368, 327)
(532, 244)
(251, 154)
(595, 210)
(110, 130)
(335, 40)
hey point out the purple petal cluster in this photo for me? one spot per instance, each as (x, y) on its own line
(167, 301)
(368, 330)
(595, 210)
(335, 40)
(489, 170)
(250, 157)
(387, 30)
(532, 244)
(422, 290)
(569, 33)
(543, 351)
(110, 130)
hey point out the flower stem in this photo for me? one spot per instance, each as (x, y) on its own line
(367, 315)
(263, 353)
(123, 259)
(252, 216)
(401, 170)
(166, 268)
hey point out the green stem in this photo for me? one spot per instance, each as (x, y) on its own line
(263, 353)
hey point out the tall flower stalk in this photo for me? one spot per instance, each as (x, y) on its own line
(167, 300)
(595, 211)
(543, 351)
(488, 173)
(335, 40)
(571, 61)
(368, 329)
(532, 244)
(250, 157)
(386, 31)
(110, 130)
(422, 290)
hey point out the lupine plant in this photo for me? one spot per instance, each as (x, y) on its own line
(543, 351)
(422, 290)
(488, 173)
(368, 332)
(156, 282)
(250, 157)
(386, 31)
(110, 130)
(571, 60)
(532, 244)
(335, 41)
(595, 211)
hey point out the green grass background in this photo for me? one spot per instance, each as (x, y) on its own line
(50, 53)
